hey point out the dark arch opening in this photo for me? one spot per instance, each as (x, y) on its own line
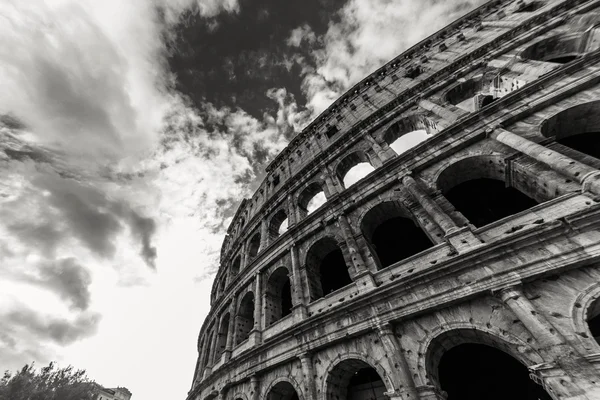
(353, 168)
(472, 371)
(311, 198)
(475, 93)
(235, 265)
(244, 320)
(222, 338)
(483, 201)
(530, 6)
(593, 320)
(391, 235)
(278, 297)
(355, 380)
(577, 127)
(283, 391)
(278, 224)
(560, 49)
(254, 246)
(475, 187)
(326, 268)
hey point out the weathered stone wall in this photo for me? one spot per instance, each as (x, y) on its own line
(497, 92)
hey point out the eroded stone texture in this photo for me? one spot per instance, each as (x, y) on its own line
(484, 237)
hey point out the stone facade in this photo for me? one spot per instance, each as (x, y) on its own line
(481, 241)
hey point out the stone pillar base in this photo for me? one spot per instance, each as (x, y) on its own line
(429, 392)
(227, 355)
(255, 337)
(299, 312)
(462, 239)
(365, 281)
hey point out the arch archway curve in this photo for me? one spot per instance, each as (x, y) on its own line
(405, 124)
(483, 166)
(580, 315)
(445, 337)
(286, 379)
(239, 396)
(337, 238)
(383, 374)
(386, 198)
(579, 117)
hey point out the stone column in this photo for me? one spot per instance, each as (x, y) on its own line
(406, 386)
(310, 388)
(230, 330)
(264, 234)
(244, 254)
(460, 238)
(361, 272)
(256, 332)
(332, 183)
(431, 207)
(587, 176)
(298, 299)
(580, 373)
(292, 211)
(382, 154)
(255, 387)
(440, 111)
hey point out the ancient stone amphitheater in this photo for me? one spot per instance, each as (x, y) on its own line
(433, 234)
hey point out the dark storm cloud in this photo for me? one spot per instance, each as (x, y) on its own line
(239, 57)
(58, 330)
(69, 280)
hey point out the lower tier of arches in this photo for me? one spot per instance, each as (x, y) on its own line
(531, 341)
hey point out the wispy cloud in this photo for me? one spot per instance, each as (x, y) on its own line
(366, 34)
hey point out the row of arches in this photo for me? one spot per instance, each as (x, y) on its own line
(465, 371)
(464, 360)
(474, 187)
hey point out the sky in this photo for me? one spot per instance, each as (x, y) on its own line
(129, 133)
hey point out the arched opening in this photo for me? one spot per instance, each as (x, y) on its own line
(244, 320)
(562, 48)
(530, 6)
(408, 132)
(353, 168)
(278, 299)
(475, 187)
(254, 246)
(408, 141)
(475, 93)
(593, 320)
(391, 234)
(282, 391)
(311, 198)
(472, 371)
(354, 379)
(577, 127)
(222, 338)
(278, 224)
(235, 265)
(326, 268)
(483, 201)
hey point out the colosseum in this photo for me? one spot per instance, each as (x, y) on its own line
(434, 234)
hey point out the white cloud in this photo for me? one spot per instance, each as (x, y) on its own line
(367, 34)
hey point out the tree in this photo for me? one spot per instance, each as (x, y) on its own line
(49, 383)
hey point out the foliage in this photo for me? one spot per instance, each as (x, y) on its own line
(49, 383)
